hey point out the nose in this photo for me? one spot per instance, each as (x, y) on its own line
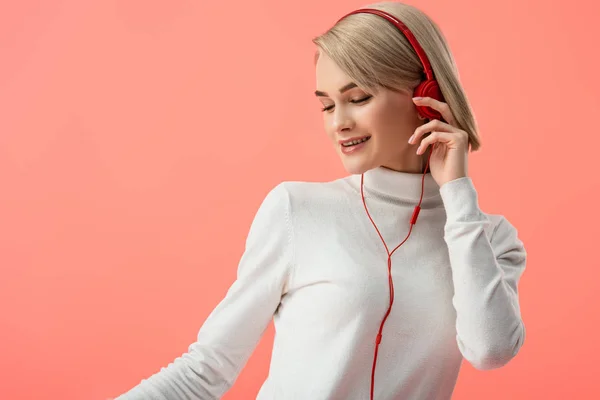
(341, 121)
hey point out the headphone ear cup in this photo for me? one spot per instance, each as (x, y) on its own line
(429, 88)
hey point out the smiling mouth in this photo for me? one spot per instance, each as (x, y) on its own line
(356, 142)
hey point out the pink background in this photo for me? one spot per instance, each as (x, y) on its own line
(138, 138)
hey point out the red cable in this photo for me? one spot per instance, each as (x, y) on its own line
(413, 220)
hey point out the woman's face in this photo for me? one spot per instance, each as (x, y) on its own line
(388, 119)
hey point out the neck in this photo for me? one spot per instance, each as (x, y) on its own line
(399, 186)
(410, 162)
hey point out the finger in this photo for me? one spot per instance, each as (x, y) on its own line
(437, 105)
(442, 137)
(430, 126)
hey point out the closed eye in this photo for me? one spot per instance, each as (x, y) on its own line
(352, 101)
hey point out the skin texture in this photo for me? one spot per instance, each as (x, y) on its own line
(400, 139)
(389, 117)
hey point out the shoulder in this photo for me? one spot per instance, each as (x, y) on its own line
(298, 202)
(303, 194)
(290, 197)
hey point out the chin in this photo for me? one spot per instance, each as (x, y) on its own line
(357, 166)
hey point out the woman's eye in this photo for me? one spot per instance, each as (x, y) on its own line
(353, 101)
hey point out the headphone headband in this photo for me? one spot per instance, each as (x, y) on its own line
(407, 33)
(427, 88)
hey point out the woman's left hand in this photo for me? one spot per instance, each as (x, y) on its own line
(450, 145)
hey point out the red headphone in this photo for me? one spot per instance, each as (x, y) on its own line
(427, 88)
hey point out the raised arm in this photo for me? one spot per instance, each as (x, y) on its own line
(486, 273)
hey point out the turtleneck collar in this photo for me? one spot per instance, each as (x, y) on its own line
(402, 187)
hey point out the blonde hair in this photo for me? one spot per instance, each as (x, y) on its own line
(374, 54)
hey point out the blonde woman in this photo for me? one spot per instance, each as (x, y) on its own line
(381, 282)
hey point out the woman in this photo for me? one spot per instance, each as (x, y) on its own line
(317, 259)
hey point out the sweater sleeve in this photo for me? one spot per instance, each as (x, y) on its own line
(231, 332)
(485, 274)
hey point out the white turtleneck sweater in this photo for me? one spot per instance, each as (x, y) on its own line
(314, 263)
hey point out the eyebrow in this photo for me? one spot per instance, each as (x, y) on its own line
(342, 89)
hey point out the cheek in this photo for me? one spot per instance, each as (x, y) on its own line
(328, 128)
(382, 123)
(393, 124)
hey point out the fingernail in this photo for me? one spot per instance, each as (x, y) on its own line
(411, 138)
(417, 98)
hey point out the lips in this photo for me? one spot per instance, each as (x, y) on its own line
(353, 139)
